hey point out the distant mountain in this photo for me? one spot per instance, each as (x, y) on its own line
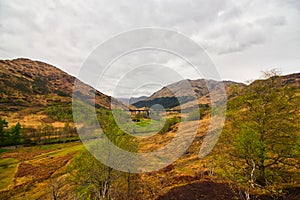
(132, 100)
(32, 87)
(185, 93)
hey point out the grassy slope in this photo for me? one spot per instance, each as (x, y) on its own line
(31, 181)
(19, 185)
(8, 167)
(189, 168)
(183, 171)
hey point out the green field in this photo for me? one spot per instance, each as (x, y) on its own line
(144, 127)
(24, 170)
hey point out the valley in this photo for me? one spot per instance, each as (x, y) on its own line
(257, 153)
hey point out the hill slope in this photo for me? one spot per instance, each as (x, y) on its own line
(183, 172)
(31, 87)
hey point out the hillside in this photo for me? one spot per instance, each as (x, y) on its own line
(42, 172)
(290, 80)
(268, 108)
(180, 93)
(37, 89)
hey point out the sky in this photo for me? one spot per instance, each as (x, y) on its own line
(241, 38)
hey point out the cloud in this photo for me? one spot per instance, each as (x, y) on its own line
(65, 32)
(242, 26)
(294, 4)
(239, 35)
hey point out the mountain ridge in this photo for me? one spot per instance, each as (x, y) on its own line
(169, 95)
(28, 87)
(187, 93)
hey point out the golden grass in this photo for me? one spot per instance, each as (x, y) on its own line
(187, 169)
(32, 120)
(8, 167)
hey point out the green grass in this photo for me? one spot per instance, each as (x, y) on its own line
(146, 126)
(59, 150)
(8, 168)
(143, 122)
(57, 146)
(4, 150)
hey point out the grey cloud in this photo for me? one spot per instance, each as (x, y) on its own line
(270, 21)
(238, 35)
(293, 3)
(65, 32)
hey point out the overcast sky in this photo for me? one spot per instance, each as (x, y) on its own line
(241, 37)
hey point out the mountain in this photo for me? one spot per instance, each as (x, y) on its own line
(184, 93)
(30, 87)
(132, 100)
(180, 93)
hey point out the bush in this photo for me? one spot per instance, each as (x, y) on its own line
(197, 114)
(40, 86)
(168, 125)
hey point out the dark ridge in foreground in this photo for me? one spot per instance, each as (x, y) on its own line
(201, 190)
(219, 191)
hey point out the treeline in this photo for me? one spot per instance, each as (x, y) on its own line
(166, 102)
(60, 113)
(44, 134)
(47, 134)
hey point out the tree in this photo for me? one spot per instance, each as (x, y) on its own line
(264, 131)
(3, 125)
(94, 180)
(47, 130)
(16, 134)
(38, 136)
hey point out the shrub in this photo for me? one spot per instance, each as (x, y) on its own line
(168, 125)
(198, 113)
(60, 113)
